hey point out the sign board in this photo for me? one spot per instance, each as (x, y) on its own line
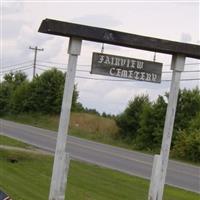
(124, 67)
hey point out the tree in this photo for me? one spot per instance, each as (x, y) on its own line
(43, 94)
(151, 125)
(19, 102)
(187, 141)
(47, 92)
(187, 108)
(15, 79)
(187, 145)
(5, 94)
(142, 123)
(128, 121)
(76, 107)
(11, 82)
(107, 115)
(195, 123)
(91, 111)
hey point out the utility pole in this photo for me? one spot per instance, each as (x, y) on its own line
(35, 57)
(154, 57)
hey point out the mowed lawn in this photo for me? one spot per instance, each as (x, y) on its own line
(11, 142)
(28, 178)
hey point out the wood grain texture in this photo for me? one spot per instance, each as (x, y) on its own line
(108, 36)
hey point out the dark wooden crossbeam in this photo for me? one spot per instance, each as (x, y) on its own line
(102, 35)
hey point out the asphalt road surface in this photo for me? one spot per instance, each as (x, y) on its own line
(179, 174)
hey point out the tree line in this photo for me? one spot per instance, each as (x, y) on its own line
(140, 124)
(43, 94)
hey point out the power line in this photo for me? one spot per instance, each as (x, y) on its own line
(16, 64)
(103, 79)
(41, 65)
(57, 63)
(62, 68)
(82, 70)
(65, 64)
(90, 65)
(28, 68)
(19, 70)
(124, 80)
(16, 69)
(41, 69)
(187, 71)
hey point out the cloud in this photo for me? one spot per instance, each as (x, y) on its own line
(98, 20)
(186, 38)
(9, 52)
(11, 28)
(11, 8)
(18, 35)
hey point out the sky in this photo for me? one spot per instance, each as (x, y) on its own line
(172, 20)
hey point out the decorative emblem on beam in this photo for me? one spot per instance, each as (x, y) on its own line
(108, 36)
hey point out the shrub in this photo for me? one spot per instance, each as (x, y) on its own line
(129, 120)
(187, 146)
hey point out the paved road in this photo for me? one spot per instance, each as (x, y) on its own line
(131, 162)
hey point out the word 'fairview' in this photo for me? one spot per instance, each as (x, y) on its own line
(120, 62)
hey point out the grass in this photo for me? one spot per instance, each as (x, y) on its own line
(92, 124)
(29, 179)
(7, 141)
(83, 125)
(35, 119)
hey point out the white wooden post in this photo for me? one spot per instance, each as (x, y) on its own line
(153, 189)
(64, 172)
(61, 159)
(177, 65)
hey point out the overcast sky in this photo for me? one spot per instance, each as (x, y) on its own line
(172, 20)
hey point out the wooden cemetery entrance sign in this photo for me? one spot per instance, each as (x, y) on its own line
(77, 33)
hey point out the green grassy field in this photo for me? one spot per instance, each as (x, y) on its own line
(12, 142)
(35, 119)
(29, 179)
(83, 125)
